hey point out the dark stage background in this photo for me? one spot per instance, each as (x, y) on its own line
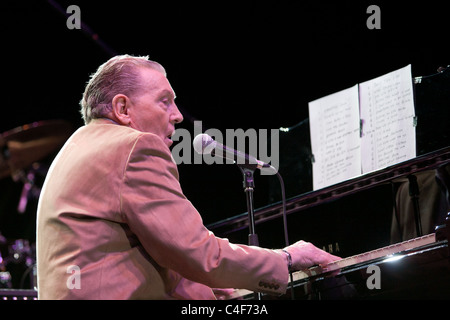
(233, 64)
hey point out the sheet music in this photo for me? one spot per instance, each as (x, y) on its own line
(364, 128)
(387, 114)
(335, 137)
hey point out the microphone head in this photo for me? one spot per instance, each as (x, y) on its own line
(204, 144)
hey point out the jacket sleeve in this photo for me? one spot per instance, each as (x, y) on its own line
(172, 232)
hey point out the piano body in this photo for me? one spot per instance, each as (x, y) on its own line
(390, 250)
(414, 269)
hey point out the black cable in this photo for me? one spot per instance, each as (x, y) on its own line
(285, 229)
(283, 198)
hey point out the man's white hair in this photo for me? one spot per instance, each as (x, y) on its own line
(119, 75)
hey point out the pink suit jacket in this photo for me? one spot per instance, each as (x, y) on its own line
(112, 206)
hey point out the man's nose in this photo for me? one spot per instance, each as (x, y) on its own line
(176, 116)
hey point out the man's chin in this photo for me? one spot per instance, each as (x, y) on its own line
(168, 142)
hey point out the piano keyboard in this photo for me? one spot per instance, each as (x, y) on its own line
(365, 257)
(354, 260)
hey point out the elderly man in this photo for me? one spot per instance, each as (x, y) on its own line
(113, 222)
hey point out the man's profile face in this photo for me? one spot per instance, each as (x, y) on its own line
(153, 107)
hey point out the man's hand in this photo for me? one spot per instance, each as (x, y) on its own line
(305, 255)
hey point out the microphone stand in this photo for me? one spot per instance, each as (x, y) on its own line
(249, 185)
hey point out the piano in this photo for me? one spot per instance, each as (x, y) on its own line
(414, 269)
(361, 219)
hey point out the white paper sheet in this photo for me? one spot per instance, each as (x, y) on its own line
(387, 114)
(335, 137)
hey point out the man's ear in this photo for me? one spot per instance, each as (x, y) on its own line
(120, 105)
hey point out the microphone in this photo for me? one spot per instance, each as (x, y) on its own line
(204, 144)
